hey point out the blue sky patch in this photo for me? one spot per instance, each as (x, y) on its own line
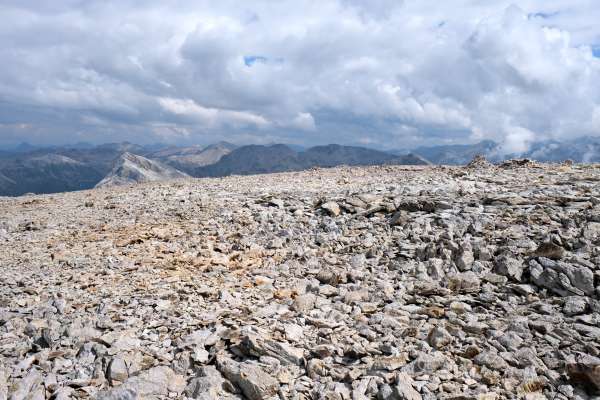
(596, 51)
(251, 60)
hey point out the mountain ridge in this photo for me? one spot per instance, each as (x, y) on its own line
(188, 158)
(256, 159)
(32, 169)
(131, 169)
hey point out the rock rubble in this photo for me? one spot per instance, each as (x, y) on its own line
(382, 283)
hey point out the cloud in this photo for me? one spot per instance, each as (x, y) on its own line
(398, 73)
(517, 141)
(211, 116)
(304, 121)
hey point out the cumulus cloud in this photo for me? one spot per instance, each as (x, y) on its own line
(517, 141)
(304, 121)
(211, 117)
(396, 72)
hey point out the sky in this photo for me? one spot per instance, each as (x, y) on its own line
(389, 74)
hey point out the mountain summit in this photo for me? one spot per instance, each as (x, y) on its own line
(130, 169)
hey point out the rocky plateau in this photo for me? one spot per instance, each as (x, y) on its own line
(348, 283)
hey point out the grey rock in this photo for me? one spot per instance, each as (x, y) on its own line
(404, 388)
(435, 268)
(157, 381)
(118, 394)
(511, 341)
(293, 332)
(3, 384)
(389, 363)
(562, 278)
(439, 337)
(117, 370)
(257, 346)
(585, 370)
(575, 305)
(491, 360)
(465, 259)
(208, 385)
(587, 330)
(27, 387)
(425, 364)
(550, 250)
(252, 380)
(465, 282)
(304, 303)
(509, 267)
(332, 208)
(386, 393)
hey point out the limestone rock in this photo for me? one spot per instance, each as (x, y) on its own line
(332, 208)
(436, 282)
(253, 381)
(509, 267)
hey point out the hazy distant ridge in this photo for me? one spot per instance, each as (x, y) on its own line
(27, 168)
(256, 159)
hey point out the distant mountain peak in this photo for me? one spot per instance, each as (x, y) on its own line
(221, 144)
(131, 169)
(189, 158)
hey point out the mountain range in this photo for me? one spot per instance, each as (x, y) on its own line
(29, 169)
(581, 150)
(258, 159)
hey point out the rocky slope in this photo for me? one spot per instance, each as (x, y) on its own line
(253, 159)
(41, 173)
(130, 169)
(187, 159)
(346, 283)
(59, 169)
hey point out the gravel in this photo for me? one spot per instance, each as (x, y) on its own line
(386, 283)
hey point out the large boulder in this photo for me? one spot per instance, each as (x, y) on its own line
(561, 278)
